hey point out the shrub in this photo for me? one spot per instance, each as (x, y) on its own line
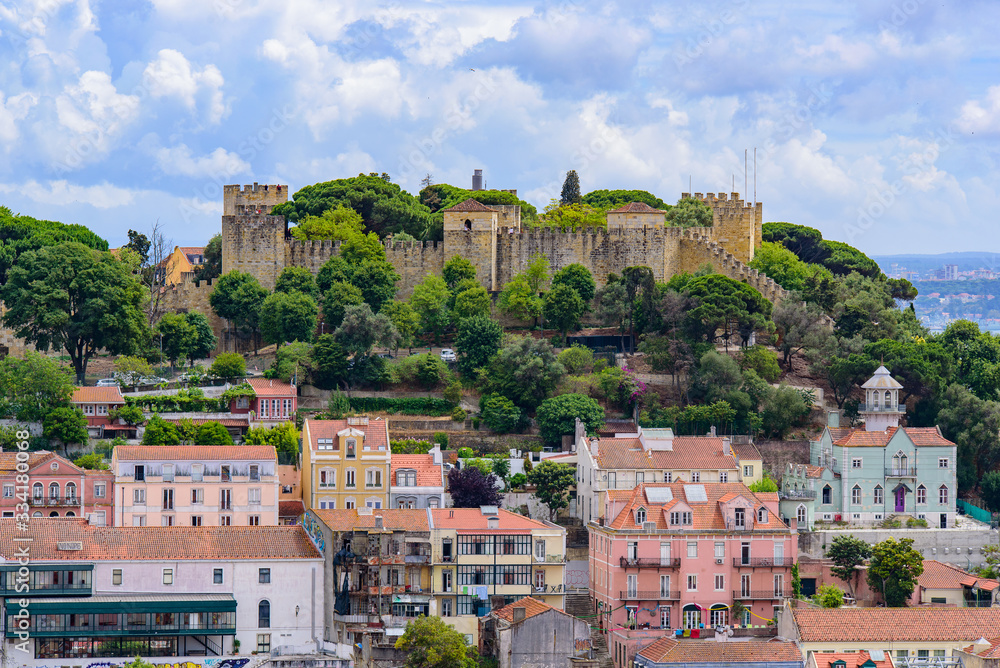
(229, 365)
(94, 462)
(577, 359)
(458, 415)
(412, 446)
(475, 423)
(427, 370)
(499, 413)
(465, 453)
(557, 416)
(453, 392)
(913, 522)
(518, 481)
(761, 360)
(829, 596)
(600, 365)
(441, 438)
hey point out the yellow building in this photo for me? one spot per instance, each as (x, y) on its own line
(346, 463)
(183, 260)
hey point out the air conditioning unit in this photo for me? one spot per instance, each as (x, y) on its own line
(719, 561)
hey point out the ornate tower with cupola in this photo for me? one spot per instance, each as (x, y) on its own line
(882, 408)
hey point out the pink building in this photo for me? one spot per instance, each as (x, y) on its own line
(96, 403)
(58, 488)
(678, 555)
(274, 401)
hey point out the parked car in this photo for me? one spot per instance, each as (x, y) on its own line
(107, 382)
(152, 380)
(448, 355)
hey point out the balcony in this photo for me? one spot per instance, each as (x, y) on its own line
(649, 595)
(762, 595)
(798, 494)
(901, 472)
(764, 562)
(52, 501)
(650, 563)
(880, 408)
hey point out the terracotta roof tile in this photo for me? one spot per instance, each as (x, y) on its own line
(269, 387)
(670, 650)
(860, 438)
(612, 427)
(939, 575)
(705, 516)
(814, 471)
(920, 436)
(636, 207)
(429, 474)
(376, 431)
(531, 607)
(348, 519)
(991, 652)
(130, 453)
(225, 422)
(155, 543)
(926, 436)
(470, 205)
(97, 395)
(292, 508)
(851, 659)
(473, 518)
(744, 451)
(8, 460)
(882, 625)
(689, 452)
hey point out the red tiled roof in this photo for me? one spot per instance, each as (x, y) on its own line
(670, 650)
(920, 436)
(706, 516)
(347, 519)
(428, 473)
(744, 451)
(473, 518)
(882, 625)
(225, 422)
(376, 432)
(155, 543)
(194, 452)
(851, 659)
(193, 250)
(991, 652)
(470, 205)
(926, 436)
(269, 387)
(814, 471)
(689, 452)
(532, 607)
(8, 460)
(636, 207)
(612, 427)
(939, 575)
(292, 508)
(97, 395)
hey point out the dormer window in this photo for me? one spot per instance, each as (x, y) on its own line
(762, 515)
(740, 518)
(640, 516)
(324, 444)
(352, 447)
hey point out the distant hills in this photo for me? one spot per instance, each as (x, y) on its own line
(966, 261)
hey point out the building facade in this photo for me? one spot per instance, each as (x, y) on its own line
(168, 593)
(417, 481)
(531, 634)
(681, 555)
(346, 463)
(272, 403)
(195, 485)
(96, 403)
(58, 488)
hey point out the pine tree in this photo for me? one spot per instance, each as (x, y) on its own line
(571, 189)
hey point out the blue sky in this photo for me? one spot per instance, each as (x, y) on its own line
(876, 122)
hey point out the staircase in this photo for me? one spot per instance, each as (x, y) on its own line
(582, 606)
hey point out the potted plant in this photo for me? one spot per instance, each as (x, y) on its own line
(236, 646)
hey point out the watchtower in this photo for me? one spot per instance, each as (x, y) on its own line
(470, 230)
(253, 241)
(737, 226)
(635, 215)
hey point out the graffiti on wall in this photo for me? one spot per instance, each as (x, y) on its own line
(312, 528)
(206, 663)
(577, 574)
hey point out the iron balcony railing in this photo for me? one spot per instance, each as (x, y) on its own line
(762, 594)
(649, 595)
(882, 408)
(54, 501)
(903, 472)
(798, 494)
(650, 563)
(764, 562)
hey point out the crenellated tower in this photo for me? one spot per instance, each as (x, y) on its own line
(736, 225)
(253, 241)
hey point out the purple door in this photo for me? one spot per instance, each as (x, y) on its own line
(900, 499)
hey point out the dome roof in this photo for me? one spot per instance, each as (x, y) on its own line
(882, 380)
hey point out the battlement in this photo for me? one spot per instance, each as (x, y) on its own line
(722, 200)
(254, 198)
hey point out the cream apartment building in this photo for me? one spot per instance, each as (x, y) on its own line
(346, 463)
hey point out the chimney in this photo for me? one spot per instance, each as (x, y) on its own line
(378, 521)
(594, 446)
(833, 419)
(435, 453)
(477, 179)
(518, 615)
(711, 432)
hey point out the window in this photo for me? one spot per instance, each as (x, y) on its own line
(327, 478)
(138, 520)
(352, 445)
(879, 496)
(668, 476)
(54, 490)
(100, 489)
(943, 495)
(168, 473)
(943, 463)
(664, 586)
(740, 518)
(856, 495)
(225, 520)
(692, 549)
(168, 576)
(446, 579)
(446, 609)
(71, 491)
(167, 520)
(168, 499)
(720, 550)
(640, 477)
(779, 585)
(225, 499)
(37, 491)
(264, 575)
(692, 583)
(197, 496)
(254, 520)
(139, 497)
(8, 491)
(748, 471)
(197, 472)
(856, 462)
(349, 478)
(253, 495)
(800, 514)
(762, 515)
(116, 576)
(665, 617)
(695, 476)
(217, 576)
(264, 614)
(540, 550)
(324, 444)
(406, 478)
(225, 471)
(921, 494)
(263, 642)
(640, 516)
(720, 582)
(254, 472)
(827, 494)
(140, 472)
(196, 520)
(539, 581)
(723, 476)
(680, 517)
(373, 478)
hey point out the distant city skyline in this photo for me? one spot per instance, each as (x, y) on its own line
(874, 122)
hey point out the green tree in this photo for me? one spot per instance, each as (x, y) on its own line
(160, 432)
(284, 437)
(429, 642)
(974, 426)
(92, 462)
(288, 317)
(229, 365)
(537, 273)
(577, 359)
(130, 415)
(297, 279)
(457, 269)
(563, 307)
(294, 361)
(761, 360)
(477, 342)
(765, 485)
(32, 386)
(238, 298)
(204, 340)
(339, 296)
(613, 199)
(430, 371)
(613, 305)
(336, 224)
(557, 416)
(23, 234)
(130, 369)
(830, 596)
(176, 336)
(212, 433)
(725, 307)
(799, 326)
(571, 217)
(784, 266)
(361, 330)
(211, 268)
(552, 483)
(472, 302)
(65, 425)
(71, 297)
(499, 413)
(404, 319)
(377, 281)
(430, 302)
(571, 189)
(989, 490)
(577, 277)
(525, 370)
(782, 408)
(848, 553)
(690, 212)
(518, 300)
(894, 569)
(329, 360)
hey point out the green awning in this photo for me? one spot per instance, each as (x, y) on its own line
(123, 604)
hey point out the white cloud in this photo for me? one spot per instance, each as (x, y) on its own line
(171, 75)
(982, 115)
(64, 193)
(13, 110)
(220, 163)
(95, 114)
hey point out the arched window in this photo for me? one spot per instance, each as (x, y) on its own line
(719, 614)
(762, 515)
(879, 500)
(54, 513)
(468, 224)
(70, 513)
(943, 495)
(54, 490)
(37, 513)
(921, 494)
(37, 490)
(899, 462)
(888, 400)
(800, 514)
(640, 516)
(70, 490)
(875, 398)
(856, 495)
(264, 614)
(827, 494)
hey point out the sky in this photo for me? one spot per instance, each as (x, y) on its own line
(876, 122)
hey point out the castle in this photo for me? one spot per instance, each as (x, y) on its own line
(492, 238)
